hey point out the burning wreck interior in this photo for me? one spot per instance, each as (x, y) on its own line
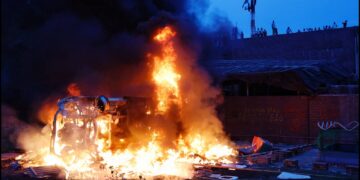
(138, 90)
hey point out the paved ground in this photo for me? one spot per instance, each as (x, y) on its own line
(339, 157)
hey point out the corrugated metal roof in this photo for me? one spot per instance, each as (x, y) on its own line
(312, 73)
(226, 67)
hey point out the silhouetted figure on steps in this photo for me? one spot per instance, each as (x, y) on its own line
(274, 28)
(344, 24)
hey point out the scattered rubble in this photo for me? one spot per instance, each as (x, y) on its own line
(288, 175)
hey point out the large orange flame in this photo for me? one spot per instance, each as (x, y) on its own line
(164, 73)
(203, 142)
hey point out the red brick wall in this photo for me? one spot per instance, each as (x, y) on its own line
(285, 118)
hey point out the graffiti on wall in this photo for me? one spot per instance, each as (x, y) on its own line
(270, 114)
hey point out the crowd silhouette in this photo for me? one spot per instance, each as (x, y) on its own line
(261, 32)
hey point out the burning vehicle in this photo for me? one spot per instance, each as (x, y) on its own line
(81, 120)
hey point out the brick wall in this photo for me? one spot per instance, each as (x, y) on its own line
(286, 118)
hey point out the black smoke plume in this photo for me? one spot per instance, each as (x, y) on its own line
(99, 45)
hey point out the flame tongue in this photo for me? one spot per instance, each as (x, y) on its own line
(164, 74)
(165, 34)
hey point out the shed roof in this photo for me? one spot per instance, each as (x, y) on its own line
(303, 75)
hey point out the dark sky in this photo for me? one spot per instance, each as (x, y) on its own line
(100, 45)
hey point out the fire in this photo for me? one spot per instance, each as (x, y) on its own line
(84, 144)
(73, 89)
(164, 74)
(47, 111)
(165, 34)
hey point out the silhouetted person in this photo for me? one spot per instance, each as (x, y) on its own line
(258, 34)
(344, 24)
(235, 33)
(334, 25)
(288, 30)
(274, 28)
(261, 32)
(241, 35)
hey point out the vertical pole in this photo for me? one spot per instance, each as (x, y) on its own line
(252, 23)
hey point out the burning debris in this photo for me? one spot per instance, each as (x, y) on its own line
(261, 145)
(101, 137)
(258, 145)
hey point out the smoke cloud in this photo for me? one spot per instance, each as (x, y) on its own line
(100, 45)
